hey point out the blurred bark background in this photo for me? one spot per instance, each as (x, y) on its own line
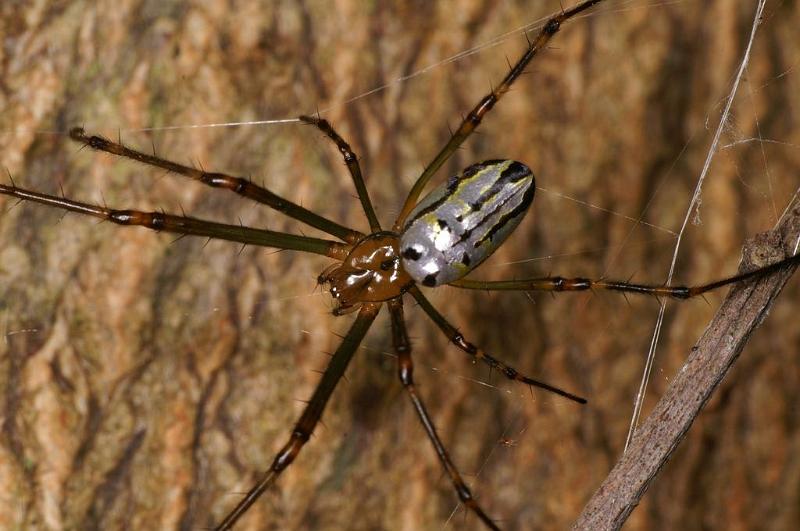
(146, 382)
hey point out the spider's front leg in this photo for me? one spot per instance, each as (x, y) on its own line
(402, 347)
(185, 225)
(351, 161)
(241, 186)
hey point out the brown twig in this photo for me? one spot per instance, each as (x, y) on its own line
(742, 311)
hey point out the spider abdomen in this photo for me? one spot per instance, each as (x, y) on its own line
(462, 222)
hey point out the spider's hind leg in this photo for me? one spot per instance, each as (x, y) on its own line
(402, 347)
(557, 284)
(472, 120)
(458, 340)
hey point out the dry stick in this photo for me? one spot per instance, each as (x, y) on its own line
(741, 312)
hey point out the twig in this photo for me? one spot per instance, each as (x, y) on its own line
(743, 310)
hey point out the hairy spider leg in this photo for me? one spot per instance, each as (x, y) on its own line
(311, 414)
(455, 337)
(473, 119)
(339, 251)
(405, 366)
(351, 161)
(239, 185)
(185, 225)
(583, 284)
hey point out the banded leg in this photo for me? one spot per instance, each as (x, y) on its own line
(159, 221)
(583, 284)
(241, 186)
(458, 340)
(351, 160)
(312, 413)
(473, 119)
(402, 347)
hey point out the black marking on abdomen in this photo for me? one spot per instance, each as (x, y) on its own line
(486, 219)
(515, 172)
(411, 254)
(453, 184)
(518, 211)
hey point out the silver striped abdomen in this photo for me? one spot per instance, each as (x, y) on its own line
(462, 222)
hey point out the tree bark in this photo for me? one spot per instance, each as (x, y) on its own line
(146, 382)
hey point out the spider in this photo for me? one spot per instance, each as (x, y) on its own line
(353, 286)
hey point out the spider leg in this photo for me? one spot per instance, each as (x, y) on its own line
(402, 347)
(473, 119)
(184, 225)
(458, 340)
(351, 160)
(243, 187)
(583, 284)
(308, 420)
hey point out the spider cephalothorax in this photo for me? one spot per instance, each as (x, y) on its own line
(372, 272)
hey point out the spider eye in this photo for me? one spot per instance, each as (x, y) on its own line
(386, 265)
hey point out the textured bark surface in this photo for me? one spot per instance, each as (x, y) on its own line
(145, 383)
